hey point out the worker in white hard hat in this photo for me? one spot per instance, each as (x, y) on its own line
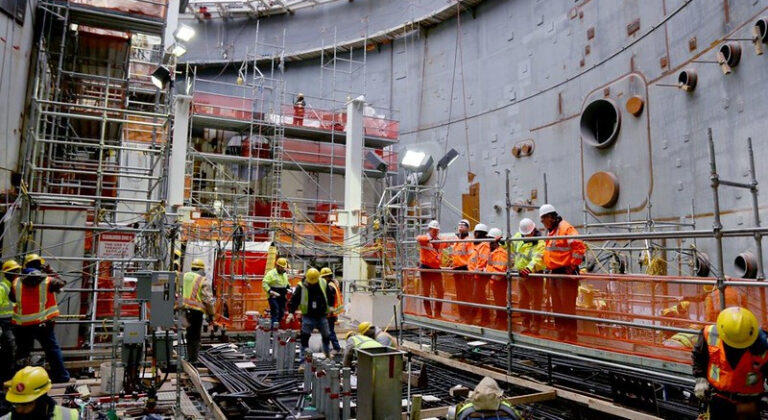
(197, 302)
(562, 256)
(298, 109)
(430, 258)
(460, 254)
(497, 263)
(481, 252)
(730, 364)
(529, 259)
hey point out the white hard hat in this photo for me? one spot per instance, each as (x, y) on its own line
(495, 233)
(481, 228)
(546, 209)
(527, 226)
(464, 222)
(434, 224)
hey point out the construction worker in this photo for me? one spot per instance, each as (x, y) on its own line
(382, 337)
(358, 342)
(11, 270)
(460, 253)
(315, 301)
(298, 109)
(37, 262)
(711, 297)
(730, 364)
(529, 259)
(562, 256)
(33, 319)
(478, 259)
(485, 402)
(337, 308)
(678, 339)
(197, 302)
(275, 284)
(497, 263)
(28, 393)
(430, 256)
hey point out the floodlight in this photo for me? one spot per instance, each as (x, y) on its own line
(161, 77)
(448, 159)
(184, 33)
(178, 49)
(376, 161)
(413, 160)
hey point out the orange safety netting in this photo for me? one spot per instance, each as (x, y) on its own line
(637, 299)
(336, 121)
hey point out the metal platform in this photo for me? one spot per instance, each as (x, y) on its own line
(109, 18)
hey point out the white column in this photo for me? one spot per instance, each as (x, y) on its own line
(178, 159)
(353, 181)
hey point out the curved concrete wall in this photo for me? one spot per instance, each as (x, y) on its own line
(524, 70)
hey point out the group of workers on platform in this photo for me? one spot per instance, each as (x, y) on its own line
(560, 257)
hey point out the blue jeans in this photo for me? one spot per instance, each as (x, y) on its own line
(332, 330)
(309, 324)
(43, 333)
(276, 310)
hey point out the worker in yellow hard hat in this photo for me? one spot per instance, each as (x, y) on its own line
(678, 339)
(710, 295)
(337, 308)
(313, 299)
(362, 339)
(275, 284)
(28, 393)
(197, 302)
(368, 329)
(730, 362)
(11, 270)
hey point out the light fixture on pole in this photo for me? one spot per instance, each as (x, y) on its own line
(161, 77)
(376, 161)
(413, 160)
(184, 33)
(447, 160)
(177, 49)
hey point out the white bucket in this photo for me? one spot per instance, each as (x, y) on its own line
(106, 378)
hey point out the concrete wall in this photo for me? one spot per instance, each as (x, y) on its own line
(524, 70)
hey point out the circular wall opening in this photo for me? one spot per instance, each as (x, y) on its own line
(761, 27)
(746, 265)
(687, 80)
(701, 264)
(600, 123)
(731, 52)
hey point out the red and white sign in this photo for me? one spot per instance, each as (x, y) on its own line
(116, 245)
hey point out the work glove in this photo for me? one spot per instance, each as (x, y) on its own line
(524, 272)
(701, 388)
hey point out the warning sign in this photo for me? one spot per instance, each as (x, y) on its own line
(116, 245)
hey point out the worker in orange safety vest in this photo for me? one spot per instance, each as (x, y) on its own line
(460, 254)
(497, 263)
(730, 364)
(430, 256)
(34, 318)
(336, 309)
(562, 256)
(478, 259)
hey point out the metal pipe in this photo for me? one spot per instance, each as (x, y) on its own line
(508, 274)
(346, 388)
(558, 315)
(333, 396)
(717, 227)
(756, 211)
(735, 184)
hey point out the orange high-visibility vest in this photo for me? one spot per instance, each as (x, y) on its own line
(34, 304)
(497, 263)
(564, 252)
(338, 303)
(746, 378)
(460, 254)
(429, 253)
(479, 258)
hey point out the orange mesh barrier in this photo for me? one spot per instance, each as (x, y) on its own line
(637, 299)
(336, 121)
(222, 106)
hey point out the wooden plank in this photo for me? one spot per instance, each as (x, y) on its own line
(416, 407)
(592, 402)
(532, 398)
(212, 406)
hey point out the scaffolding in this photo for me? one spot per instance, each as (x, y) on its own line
(622, 319)
(95, 153)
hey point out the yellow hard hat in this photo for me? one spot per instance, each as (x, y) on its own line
(281, 262)
(325, 271)
(177, 253)
(27, 385)
(364, 327)
(33, 257)
(738, 327)
(313, 276)
(10, 265)
(198, 263)
(684, 305)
